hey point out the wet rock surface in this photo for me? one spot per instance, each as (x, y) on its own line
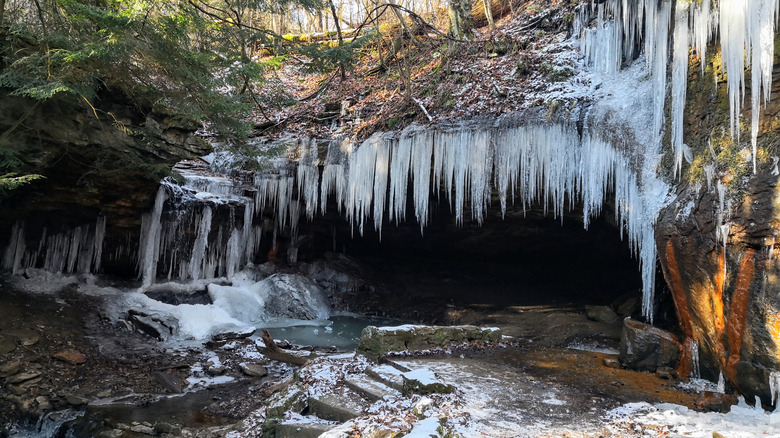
(726, 296)
(647, 348)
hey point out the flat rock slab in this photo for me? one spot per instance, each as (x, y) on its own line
(376, 342)
(23, 377)
(73, 357)
(299, 429)
(370, 388)
(335, 408)
(388, 375)
(424, 381)
(234, 333)
(170, 382)
(9, 369)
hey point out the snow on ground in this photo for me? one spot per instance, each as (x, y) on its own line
(742, 421)
(489, 402)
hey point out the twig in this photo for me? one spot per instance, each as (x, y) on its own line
(418, 102)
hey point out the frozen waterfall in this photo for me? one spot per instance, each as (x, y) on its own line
(551, 164)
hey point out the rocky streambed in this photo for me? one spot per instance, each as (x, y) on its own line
(69, 368)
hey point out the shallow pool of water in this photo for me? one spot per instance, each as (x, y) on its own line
(340, 331)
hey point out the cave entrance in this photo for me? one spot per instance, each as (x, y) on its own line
(523, 261)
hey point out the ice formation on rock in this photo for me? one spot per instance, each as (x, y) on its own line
(77, 250)
(550, 164)
(745, 31)
(218, 248)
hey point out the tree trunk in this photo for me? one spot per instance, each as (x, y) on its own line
(489, 14)
(461, 23)
(341, 40)
(2, 9)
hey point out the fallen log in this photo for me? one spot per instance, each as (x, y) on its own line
(498, 8)
(272, 351)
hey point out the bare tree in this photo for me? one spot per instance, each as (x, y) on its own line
(461, 23)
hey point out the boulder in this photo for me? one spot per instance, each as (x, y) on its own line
(335, 407)
(293, 296)
(645, 348)
(253, 369)
(601, 314)
(376, 342)
(215, 367)
(160, 327)
(629, 306)
(291, 399)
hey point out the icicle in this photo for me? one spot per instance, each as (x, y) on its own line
(399, 178)
(422, 152)
(308, 176)
(247, 237)
(733, 41)
(703, 25)
(679, 82)
(198, 257)
(367, 182)
(709, 174)
(150, 239)
(233, 260)
(774, 388)
(761, 16)
(695, 367)
(602, 45)
(15, 250)
(334, 176)
(721, 383)
(660, 50)
(100, 235)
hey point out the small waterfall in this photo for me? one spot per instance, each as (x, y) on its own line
(49, 425)
(150, 239)
(202, 229)
(721, 383)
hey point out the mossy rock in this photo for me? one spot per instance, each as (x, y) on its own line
(376, 342)
(292, 399)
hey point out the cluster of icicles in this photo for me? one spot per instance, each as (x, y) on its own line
(77, 250)
(745, 31)
(550, 165)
